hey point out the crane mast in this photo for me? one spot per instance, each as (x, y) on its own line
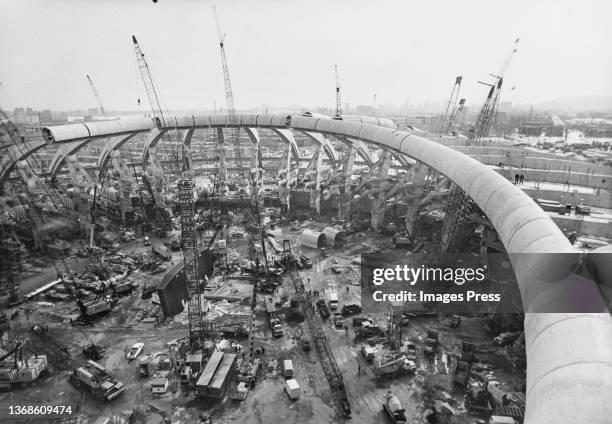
(338, 98)
(374, 106)
(229, 94)
(186, 212)
(488, 111)
(444, 128)
(95, 93)
(153, 97)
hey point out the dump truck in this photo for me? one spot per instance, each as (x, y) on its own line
(393, 408)
(394, 368)
(97, 380)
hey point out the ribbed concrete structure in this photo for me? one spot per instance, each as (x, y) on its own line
(569, 371)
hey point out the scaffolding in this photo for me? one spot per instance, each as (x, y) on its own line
(457, 225)
(186, 206)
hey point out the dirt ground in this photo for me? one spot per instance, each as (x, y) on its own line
(267, 402)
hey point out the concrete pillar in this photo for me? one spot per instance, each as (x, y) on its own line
(378, 205)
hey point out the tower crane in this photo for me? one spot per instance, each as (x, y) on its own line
(338, 97)
(95, 93)
(229, 94)
(444, 128)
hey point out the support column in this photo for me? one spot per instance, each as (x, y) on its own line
(284, 177)
(314, 185)
(378, 205)
(344, 200)
(222, 172)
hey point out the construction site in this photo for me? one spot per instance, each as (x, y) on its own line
(207, 268)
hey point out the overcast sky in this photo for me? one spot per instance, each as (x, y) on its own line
(282, 52)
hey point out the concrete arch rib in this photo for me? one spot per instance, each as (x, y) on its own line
(287, 136)
(362, 149)
(62, 153)
(152, 139)
(113, 145)
(17, 153)
(325, 144)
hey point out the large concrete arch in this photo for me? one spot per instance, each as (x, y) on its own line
(108, 148)
(17, 153)
(325, 144)
(569, 356)
(62, 153)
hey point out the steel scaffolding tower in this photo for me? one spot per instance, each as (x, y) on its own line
(186, 212)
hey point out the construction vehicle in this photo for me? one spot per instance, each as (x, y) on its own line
(454, 321)
(431, 342)
(288, 260)
(93, 350)
(97, 380)
(144, 369)
(351, 309)
(275, 324)
(305, 345)
(394, 368)
(394, 410)
(403, 240)
(368, 352)
(19, 371)
(162, 251)
(323, 309)
(338, 320)
(306, 262)
(90, 309)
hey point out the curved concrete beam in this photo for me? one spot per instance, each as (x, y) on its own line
(360, 147)
(110, 147)
(152, 138)
(62, 153)
(17, 153)
(287, 136)
(325, 143)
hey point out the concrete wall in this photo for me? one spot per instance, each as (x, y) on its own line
(599, 201)
(586, 227)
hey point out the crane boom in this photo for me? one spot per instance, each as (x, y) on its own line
(338, 97)
(95, 93)
(229, 94)
(152, 95)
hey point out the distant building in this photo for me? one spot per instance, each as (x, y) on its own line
(551, 126)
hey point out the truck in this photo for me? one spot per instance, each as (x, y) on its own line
(394, 368)
(351, 309)
(293, 389)
(394, 410)
(431, 342)
(162, 251)
(333, 300)
(323, 309)
(95, 378)
(275, 324)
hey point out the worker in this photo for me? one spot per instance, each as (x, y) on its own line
(572, 237)
(516, 178)
(522, 179)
